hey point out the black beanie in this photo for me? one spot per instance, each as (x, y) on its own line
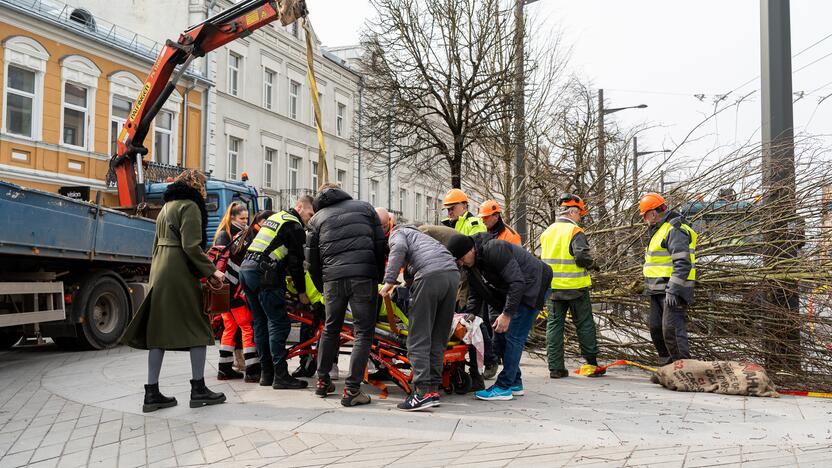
(460, 245)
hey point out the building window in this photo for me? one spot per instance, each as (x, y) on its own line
(76, 110)
(163, 138)
(268, 163)
(20, 101)
(402, 201)
(268, 88)
(294, 168)
(373, 191)
(339, 119)
(118, 116)
(294, 95)
(341, 177)
(234, 145)
(428, 207)
(314, 175)
(419, 208)
(295, 29)
(235, 63)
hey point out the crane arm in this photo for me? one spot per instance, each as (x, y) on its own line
(237, 22)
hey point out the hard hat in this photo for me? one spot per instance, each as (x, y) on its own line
(569, 199)
(454, 196)
(244, 176)
(650, 201)
(489, 207)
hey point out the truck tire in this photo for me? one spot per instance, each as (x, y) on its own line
(9, 336)
(105, 312)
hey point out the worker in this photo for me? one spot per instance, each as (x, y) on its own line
(308, 364)
(565, 248)
(490, 213)
(432, 278)
(456, 202)
(520, 282)
(275, 251)
(669, 276)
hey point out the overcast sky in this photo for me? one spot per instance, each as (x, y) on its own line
(662, 53)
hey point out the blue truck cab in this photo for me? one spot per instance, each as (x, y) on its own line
(220, 194)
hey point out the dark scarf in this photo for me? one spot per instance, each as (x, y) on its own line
(180, 191)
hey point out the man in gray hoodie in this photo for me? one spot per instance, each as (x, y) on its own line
(433, 277)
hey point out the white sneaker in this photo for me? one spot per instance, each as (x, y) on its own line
(333, 373)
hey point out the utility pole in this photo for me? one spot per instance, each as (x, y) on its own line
(783, 347)
(520, 120)
(601, 163)
(636, 195)
(390, 154)
(360, 133)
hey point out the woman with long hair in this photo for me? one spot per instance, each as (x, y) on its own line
(233, 221)
(171, 316)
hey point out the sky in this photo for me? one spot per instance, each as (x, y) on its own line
(662, 54)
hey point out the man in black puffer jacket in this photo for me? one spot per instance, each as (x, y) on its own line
(345, 254)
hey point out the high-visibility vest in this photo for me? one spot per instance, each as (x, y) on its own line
(658, 263)
(467, 224)
(268, 230)
(312, 292)
(554, 243)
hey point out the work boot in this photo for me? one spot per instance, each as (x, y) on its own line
(266, 375)
(324, 386)
(225, 371)
(284, 381)
(490, 371)
(354, 397)
(558, 374)
(154, 400)
(308, 366)
(253, 373)
(202, 396)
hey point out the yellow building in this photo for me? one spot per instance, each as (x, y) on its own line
(69, 81)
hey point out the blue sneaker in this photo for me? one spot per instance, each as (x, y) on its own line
(494, 393)
(517, 390)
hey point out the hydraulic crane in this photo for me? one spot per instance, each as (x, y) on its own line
(237, 22)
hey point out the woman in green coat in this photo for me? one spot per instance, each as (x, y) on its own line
(171, 316)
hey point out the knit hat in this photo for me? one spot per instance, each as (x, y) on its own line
(460, 245)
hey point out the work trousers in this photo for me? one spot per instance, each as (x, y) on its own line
(581, 309)
(668, 330)
(359, 293)
(269, 318)
(238, 319)
(431, 312)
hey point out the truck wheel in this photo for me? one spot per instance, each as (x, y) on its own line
(105, 313)
(9, 337)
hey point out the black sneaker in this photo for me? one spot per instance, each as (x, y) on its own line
(490, 371)
(558, 374)
(434, 396)
(354, 398)
(416, 402)
(324, 387)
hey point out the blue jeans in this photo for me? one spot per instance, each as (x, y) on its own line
(515, 340)
(270, 322)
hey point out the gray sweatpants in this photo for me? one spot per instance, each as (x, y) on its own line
(431, 311)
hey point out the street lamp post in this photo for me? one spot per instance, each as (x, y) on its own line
(636, 154)
(602, 158)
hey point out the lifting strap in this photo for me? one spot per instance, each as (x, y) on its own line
(323, 172)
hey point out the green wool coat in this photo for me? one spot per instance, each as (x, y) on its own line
(171, 315)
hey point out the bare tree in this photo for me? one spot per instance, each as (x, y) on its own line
(434, 80)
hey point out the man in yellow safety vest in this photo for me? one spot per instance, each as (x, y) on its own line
(456, 202)
(669, 276)
(565, 249)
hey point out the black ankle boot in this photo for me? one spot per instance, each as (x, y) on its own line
(153, 399)
(253, 373)
(307, 368)
(282, 379)
(226, 372)
(266, 376)
(202, 396)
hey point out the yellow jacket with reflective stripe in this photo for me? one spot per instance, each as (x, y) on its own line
(658, 262)
(554, 244)
(312, 292)
(267, 233)
(467, 224)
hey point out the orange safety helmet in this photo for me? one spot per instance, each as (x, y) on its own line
(489, 207)
(454, 196)
(650, 201)
(569, 199)
(244, 176)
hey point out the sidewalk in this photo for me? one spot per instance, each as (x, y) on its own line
(78, 409)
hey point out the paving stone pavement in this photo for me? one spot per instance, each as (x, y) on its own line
(64, 409)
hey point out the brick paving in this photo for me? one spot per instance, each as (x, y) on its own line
(56, 412)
